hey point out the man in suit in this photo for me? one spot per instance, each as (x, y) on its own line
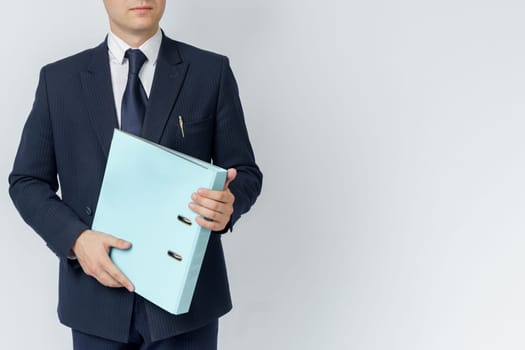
(184, 98)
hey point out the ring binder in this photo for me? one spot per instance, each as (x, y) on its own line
(163, 180)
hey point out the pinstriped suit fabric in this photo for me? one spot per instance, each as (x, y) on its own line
(68, 134)
(204, 338)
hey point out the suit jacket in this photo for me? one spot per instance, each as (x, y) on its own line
(66, 141)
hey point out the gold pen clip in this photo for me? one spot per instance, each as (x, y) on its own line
(181, 125)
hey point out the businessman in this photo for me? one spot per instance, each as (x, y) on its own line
(166, 91)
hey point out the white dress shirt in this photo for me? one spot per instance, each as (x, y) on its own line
(119, 65)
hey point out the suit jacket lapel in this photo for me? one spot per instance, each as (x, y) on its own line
(98, 95)
(169, 76)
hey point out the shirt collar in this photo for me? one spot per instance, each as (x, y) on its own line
(117, 47)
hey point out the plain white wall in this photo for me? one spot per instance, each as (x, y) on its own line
(391, 138)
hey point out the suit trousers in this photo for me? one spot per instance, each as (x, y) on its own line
(204, 338)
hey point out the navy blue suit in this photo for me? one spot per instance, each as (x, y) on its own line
(68, 133)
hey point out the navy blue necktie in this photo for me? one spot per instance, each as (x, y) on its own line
(134, 100)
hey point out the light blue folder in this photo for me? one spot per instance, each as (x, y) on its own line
(144, 199)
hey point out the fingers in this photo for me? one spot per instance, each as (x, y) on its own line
(216, 220)
(91, 249)
(217, 196)
(225, 195)
(117, 276)
(216, 206)
(110, 275)
(209, 214)
(107, 280)
(101, 274)
(107, 274)
(217, 201)
(212, 225)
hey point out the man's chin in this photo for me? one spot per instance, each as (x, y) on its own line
(144, 27)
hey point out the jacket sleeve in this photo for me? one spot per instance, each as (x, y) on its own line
(33, 183)
(232, 148)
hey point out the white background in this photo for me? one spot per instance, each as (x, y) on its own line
(390, 134)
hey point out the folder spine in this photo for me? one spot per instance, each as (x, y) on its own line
(200, 244)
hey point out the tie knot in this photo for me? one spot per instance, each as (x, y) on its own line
(136, 59)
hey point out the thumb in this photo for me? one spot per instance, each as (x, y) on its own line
(118, 243)
(232, 174)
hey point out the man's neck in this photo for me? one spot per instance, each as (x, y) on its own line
(134, 40)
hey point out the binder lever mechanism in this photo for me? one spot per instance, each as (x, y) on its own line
(174, 255)
(184, 220)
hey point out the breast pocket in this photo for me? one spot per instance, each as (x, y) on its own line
(193, 136)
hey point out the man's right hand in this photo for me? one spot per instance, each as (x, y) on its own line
(92, 251)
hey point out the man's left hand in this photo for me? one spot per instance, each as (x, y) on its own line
(215, 206)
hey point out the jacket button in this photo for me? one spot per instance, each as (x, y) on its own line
(89, 212)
